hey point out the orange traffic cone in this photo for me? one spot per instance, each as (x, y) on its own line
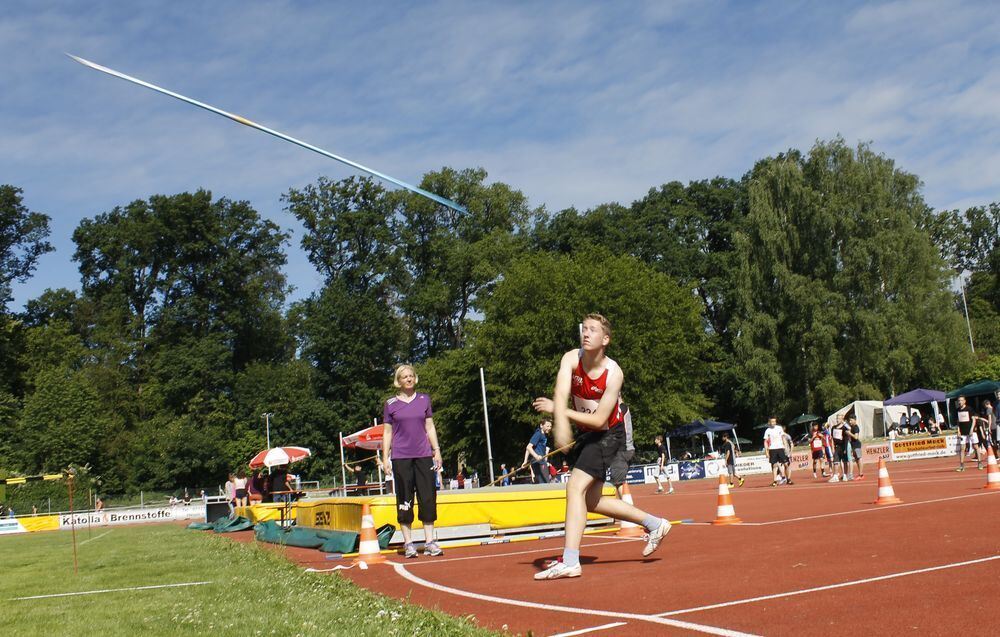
(369, 551)
(725, 513)
(992, 470)
(885, 493)
(629, 529)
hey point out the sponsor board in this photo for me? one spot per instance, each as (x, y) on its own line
(10, 525)
(937, 447)
(115, 517)
(650, 471)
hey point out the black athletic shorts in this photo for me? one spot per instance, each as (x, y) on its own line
(619, 466)
(595, 451)
(817, 454)
(415, 474)
(840, 452)
(777, 456)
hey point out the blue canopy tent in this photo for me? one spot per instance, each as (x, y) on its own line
(919, 396)
(697, 427)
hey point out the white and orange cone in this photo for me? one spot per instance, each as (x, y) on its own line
(992, 470)
(626, 528)
(725, 513)
(886, 494)
(369, 551)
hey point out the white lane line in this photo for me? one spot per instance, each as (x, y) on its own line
(584, 631)
(711, 630)
(874, 508)
(96, 538)
(551, 549)
(109, 590)
(817, 589)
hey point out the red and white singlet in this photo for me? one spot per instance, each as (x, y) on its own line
(587, 392)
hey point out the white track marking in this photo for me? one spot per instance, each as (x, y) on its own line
(527, 552)
(828, 587)
(874, 508)
(96, 538)
(584, 631)
(109, 590)
(711, 630)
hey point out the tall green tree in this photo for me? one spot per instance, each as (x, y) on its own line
(23, 237)
(837, 291)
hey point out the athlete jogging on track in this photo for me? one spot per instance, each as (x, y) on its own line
(594, 383)
(661, 467)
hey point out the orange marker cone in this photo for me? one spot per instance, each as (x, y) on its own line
(725, 513)
(629, 529)
(886, 495)
(992, 470)
(369, 551)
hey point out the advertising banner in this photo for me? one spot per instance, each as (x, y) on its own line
(10, 525)
(114, 517)
(937, 447)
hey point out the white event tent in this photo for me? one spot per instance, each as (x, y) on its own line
(872, 416)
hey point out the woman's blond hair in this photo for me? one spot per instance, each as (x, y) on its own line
(399, 372)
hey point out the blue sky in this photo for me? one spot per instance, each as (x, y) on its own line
(574, 103)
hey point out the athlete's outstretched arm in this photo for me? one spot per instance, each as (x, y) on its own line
(561, 431)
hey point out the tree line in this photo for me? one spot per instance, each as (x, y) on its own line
(817, 278)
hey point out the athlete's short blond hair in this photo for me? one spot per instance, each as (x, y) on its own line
(399, 372)
(605, 323)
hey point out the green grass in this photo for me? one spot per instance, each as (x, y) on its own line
(253, 591)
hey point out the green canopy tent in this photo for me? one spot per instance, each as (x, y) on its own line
(978, 388)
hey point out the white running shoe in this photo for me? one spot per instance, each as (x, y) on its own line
(654, 537)
(835, 478)
(559, 571)
(659, 489)
(671, 491)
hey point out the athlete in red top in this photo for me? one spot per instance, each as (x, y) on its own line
(594, 382)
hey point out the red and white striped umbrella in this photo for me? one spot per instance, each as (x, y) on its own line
(369, 438)
(279, 456)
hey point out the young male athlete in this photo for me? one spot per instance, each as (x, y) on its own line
(594, 382)
(661, 467)
(729, 455)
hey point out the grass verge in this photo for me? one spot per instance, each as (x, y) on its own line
(252, 591)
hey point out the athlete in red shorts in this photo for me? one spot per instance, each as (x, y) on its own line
(594, 383)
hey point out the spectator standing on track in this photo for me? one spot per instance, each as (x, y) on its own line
(854, 441)
(661, 467)
(991, 424)
(504, 475)
(240, 488)
(786, 442)
(816, 445)
(619, 466)
(729, 454)
(774, 447)
(840, 461)
(410, 447)
(535, 452)
(980, 437)
(964, 417)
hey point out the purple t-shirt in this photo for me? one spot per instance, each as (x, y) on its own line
(409, 438)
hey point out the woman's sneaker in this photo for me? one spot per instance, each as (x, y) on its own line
(409, 551)
(558, 570)
(433, 550)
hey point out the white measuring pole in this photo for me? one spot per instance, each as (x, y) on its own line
(486, 421)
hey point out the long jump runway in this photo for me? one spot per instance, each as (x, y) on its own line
(812, 558)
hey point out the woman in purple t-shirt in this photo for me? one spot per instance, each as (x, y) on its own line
(410, 442)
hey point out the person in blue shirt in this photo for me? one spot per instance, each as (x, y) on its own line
(536, 450)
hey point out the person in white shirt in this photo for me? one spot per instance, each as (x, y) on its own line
(774, 446)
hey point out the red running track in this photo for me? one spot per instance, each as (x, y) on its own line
(810, 559)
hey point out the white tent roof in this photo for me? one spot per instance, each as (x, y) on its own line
(866, 411)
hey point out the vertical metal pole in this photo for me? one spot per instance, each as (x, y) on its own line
(967, 323)
(486, 421)
(72, 520)
(142, 501)
(343, 468)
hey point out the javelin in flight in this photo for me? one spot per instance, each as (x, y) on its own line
(288, 138)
